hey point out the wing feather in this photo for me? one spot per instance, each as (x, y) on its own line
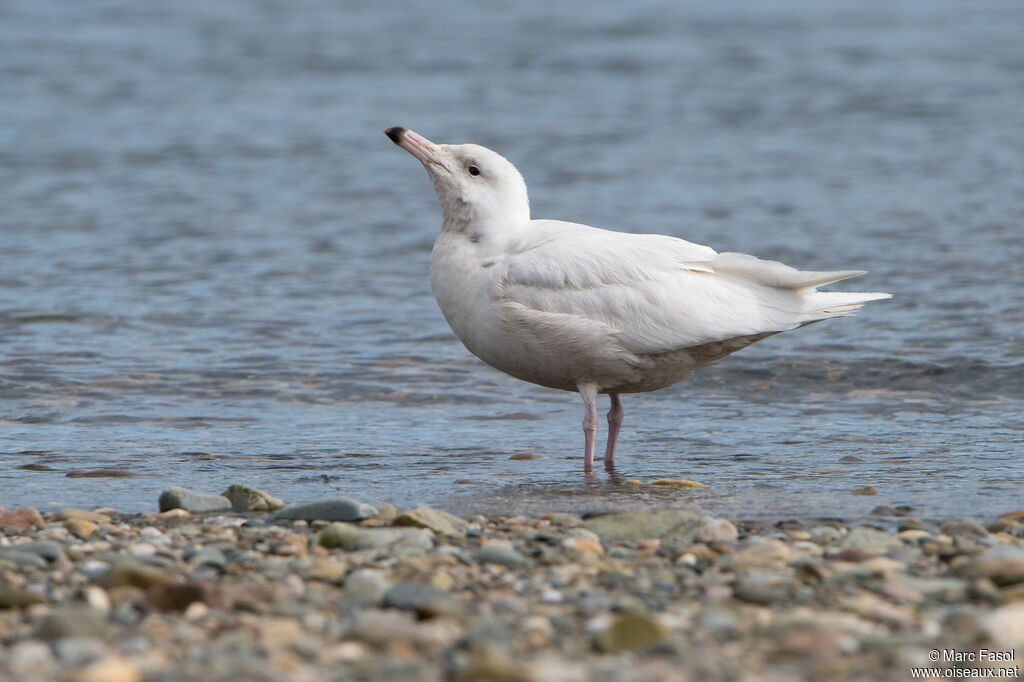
(653, 293)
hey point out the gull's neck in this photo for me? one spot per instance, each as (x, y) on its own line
(463, 217)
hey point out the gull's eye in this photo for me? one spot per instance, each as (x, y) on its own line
(473, 170)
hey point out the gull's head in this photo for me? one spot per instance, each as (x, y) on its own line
(473, 183)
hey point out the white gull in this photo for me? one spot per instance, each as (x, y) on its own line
(579, 308)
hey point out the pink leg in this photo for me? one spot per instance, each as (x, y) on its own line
(589, 394)
(614, 424)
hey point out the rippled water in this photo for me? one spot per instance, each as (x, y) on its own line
(214, 267)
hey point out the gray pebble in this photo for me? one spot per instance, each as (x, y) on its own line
(337, 509)
(425, 600)
(498, 554)
(631, 526)
(79, 651)
(365, 588)
(47, 549)
(353, 538)
(22, 558)
(73, 621)
(245, 498)
(963, 527)
(179, 497)
(868, 538)
(206, 556)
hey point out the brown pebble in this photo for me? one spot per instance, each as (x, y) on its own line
(678, 483)
(22, 519)
(83, 528)
(866, 490)
(68, 513)
(112, 669)
(171, 515)
(178, 596)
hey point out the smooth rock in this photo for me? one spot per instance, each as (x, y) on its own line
(583, 540)
(764, 585)
(134, 573)
(245, 498)
(825, 535)
(83, 528)
(97, 598)
(392, 627)
(21, 519)
(179, 596)
(365, 587)
(1003, 565)
(869, 539)
(717, 530)
(110, 669)
(22, 558)
(353, 538)
(387, 511)
(631, 632)
(73, 621)
(31, 659)
(11, 598)
(68, 513)
(78, 651)
(179, 497)
(327, 570)
(498, 554)
(1005, 625)
(47, 549)
(336, 509)
(171, 515)
(276, 633)
(963, 527)
(759, 551)
(93, 568)
(212, 557)
(425, 600)
(563, 519)
(935, 588)
(678, 483)
(439, 522)
(492, 664)
(632, 526)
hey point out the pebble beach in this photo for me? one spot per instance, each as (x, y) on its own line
(240, 586)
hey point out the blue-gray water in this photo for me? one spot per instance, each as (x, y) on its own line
(214, 267)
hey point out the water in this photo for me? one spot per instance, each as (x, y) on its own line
(214, 267)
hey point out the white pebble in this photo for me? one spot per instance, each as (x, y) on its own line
(550, 596)
(141, 549)
(93, 568)
(30, 658)
(154, 535)
(97, 598)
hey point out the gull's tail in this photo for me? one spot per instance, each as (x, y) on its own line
(817, 305)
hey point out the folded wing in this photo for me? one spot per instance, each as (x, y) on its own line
(657, 294)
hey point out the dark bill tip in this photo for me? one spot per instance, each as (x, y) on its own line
(395, 133)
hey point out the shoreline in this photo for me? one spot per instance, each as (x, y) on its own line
(341, 590)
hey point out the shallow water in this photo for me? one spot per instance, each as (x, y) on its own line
(214, 267)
